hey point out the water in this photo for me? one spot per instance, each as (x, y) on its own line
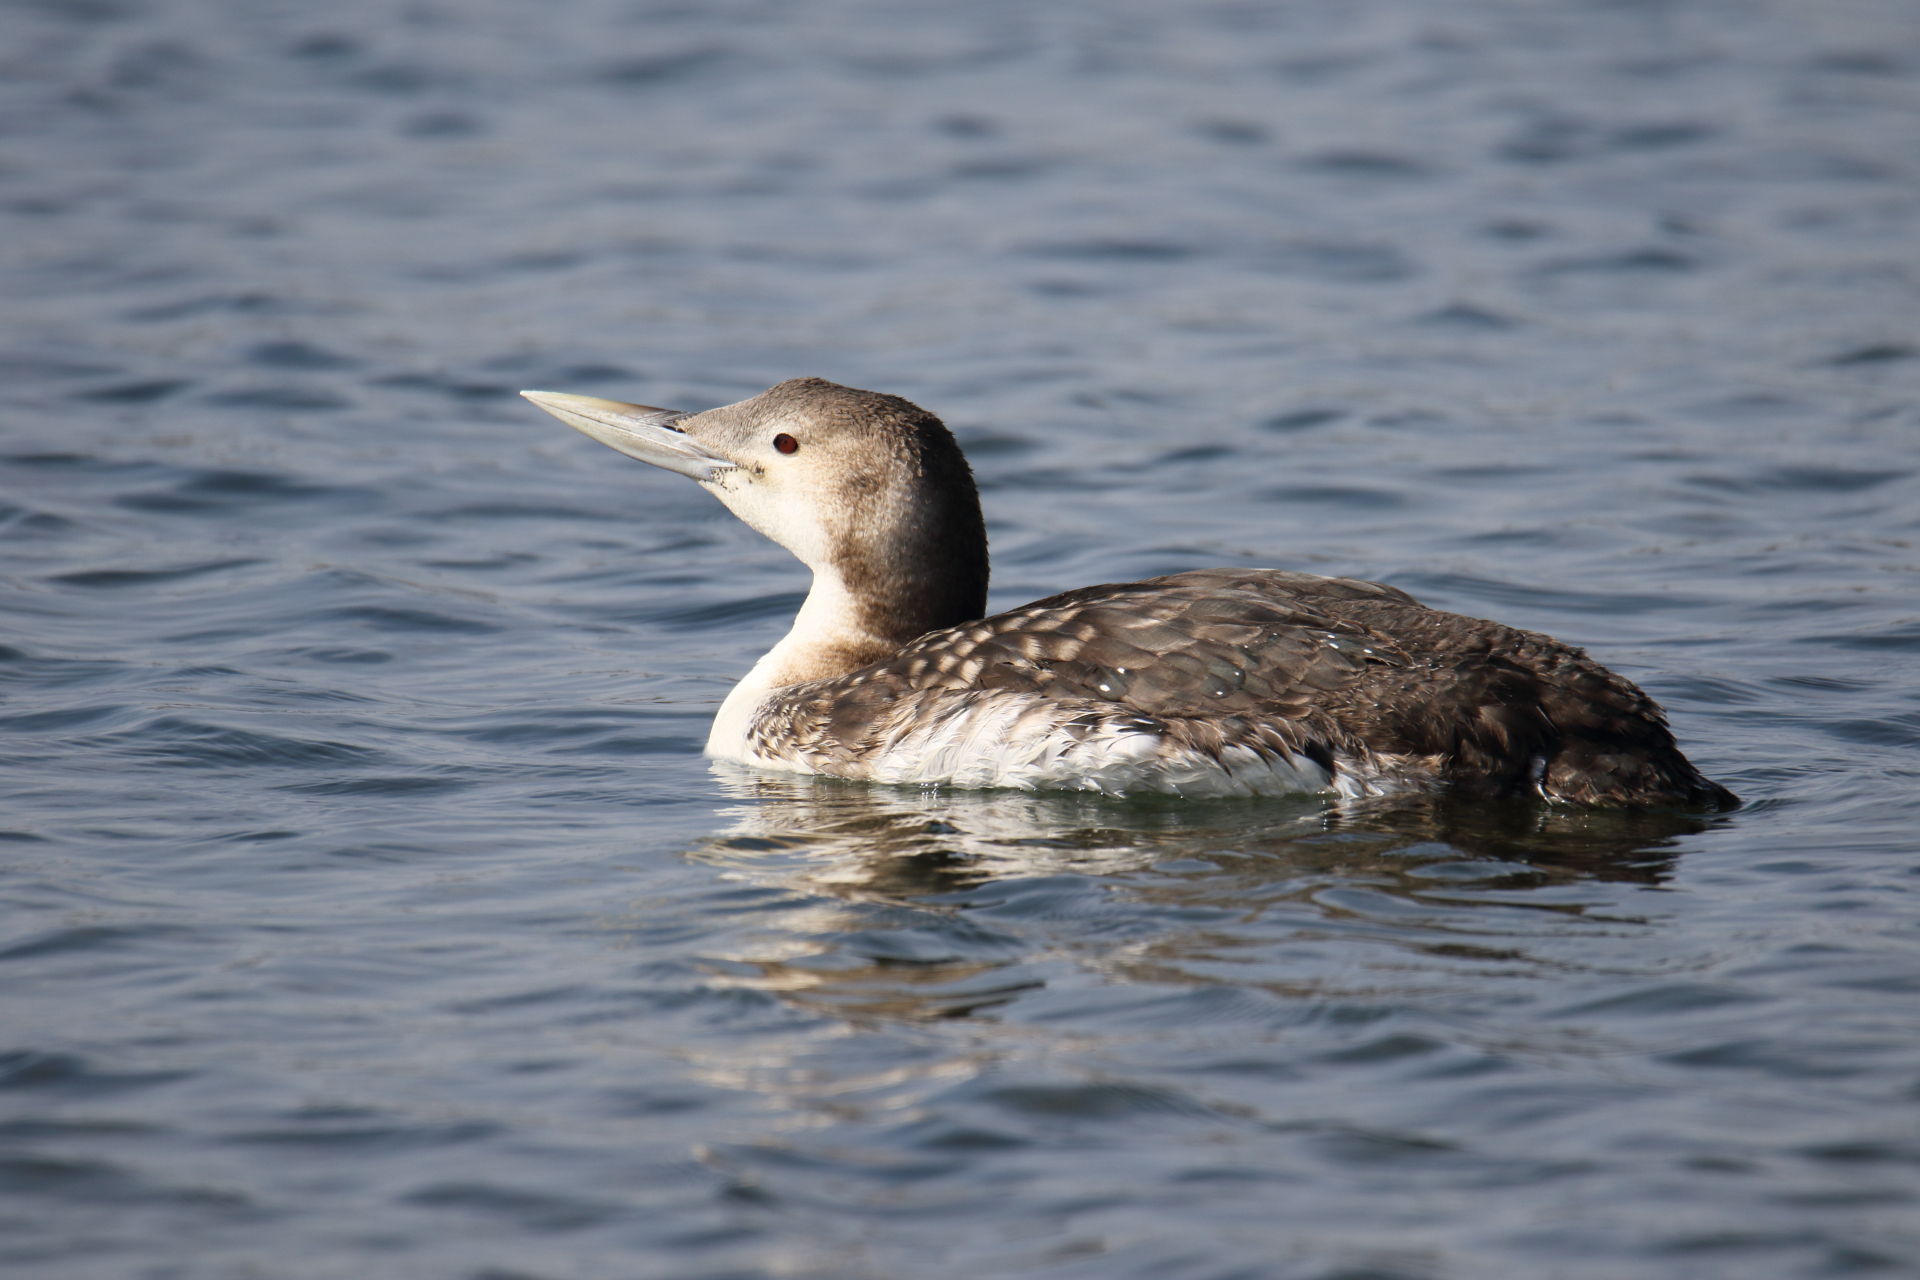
(370, 911)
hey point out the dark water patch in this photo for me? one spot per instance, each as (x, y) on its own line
(22, 669)
(246, 304)
(397, 785)
(1652, 261)
(337, 656)
(1002, 168)
(181, 743)
(58, 721)
(985, 442)
(1551, 140)
(403, 620)
(18, 525)
(779, 604)
(18, 1131)
(1805, 479)
(966, 125)
(119, 579)
(492, 511)
(1304, 419)
(105, 1183)
(90, 939)
(556, 726)
(1234, 133)
(1195, 453)
(143, 392)
(206, 492)
(1344, 497)
(635, 746)
(443, 124)
(1466, 317)
(23, 366)
(1366, 164)
(1334, 262)
(454, 388)
(1896, 637)
(1861, 62)
(350, 1132)
(524, 1209)
(1344, 1145)
(653, 70)
(1072, 1104)
(1875, 354)
(285, 399)
(1116, 251)
(1767, 1056)
(72, 1074)
(1659, 136)
(1666, 999)
(1893, 731)
(1070, 289)
(297, 355)
(1517, 230)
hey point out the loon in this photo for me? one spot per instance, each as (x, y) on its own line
(1207, 683)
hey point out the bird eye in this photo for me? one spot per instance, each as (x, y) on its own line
(785, 443)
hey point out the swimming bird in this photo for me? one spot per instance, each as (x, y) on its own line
(1206, 683)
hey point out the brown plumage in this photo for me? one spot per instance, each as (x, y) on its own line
(1340, 672)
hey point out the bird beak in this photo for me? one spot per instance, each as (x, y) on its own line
(637, 430)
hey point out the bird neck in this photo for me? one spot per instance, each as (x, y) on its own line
(855, 614)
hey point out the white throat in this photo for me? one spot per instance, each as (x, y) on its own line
(825, 640)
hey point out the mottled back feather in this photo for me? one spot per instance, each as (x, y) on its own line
(1263, 664)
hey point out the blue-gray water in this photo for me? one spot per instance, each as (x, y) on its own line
(370, 912)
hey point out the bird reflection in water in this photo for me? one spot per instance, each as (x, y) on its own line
(906, 891)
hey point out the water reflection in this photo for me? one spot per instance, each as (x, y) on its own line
(913, 905)
(899, 844)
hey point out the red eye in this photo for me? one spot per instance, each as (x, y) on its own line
(785, 443)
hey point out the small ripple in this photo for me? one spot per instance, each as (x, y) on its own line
(55, 721)
(98, 1182)
(1348, 497)
(392, 618)
(177, 742)
(347, 1130)
(285, 399)
(1366, 164)
(529, 1210)
(88, 938)
(1878, 353)
(114, 579)
(1650, 261)
(144, 392)
(650, 71)
(71, 1074)
(779, 604)
(1661, 1000)
(1805, 479)
(298, 355)
(1333, 262)
(1304, 419)
(1116, 250)
(1044, 1104)
(459, 389)
(1899, 637)
(402, 785)
(224, 491)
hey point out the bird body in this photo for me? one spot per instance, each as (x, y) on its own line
(1208, 683)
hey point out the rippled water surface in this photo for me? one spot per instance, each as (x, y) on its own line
(369, 910)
